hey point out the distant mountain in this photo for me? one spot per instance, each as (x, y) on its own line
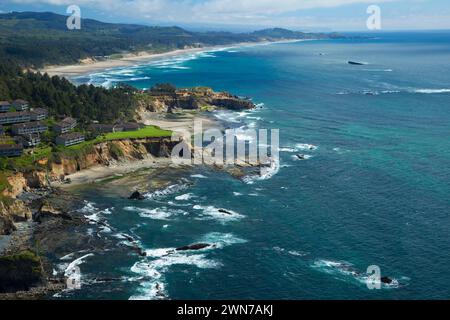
(280, 33)
(38, 38)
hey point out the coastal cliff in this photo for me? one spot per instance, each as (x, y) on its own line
(56, 168)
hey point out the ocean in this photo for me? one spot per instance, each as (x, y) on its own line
(373, 191)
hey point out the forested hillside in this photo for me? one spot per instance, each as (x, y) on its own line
(34, 39)
(85, 102)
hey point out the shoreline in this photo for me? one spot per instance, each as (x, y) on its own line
(121, 168)
(141, 57)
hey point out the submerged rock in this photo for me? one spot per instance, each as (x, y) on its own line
(386, 280)
(136, 195)
(197, 246)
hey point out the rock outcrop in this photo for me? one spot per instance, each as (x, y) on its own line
(191, 99)
(20, 271)
(136, 195)
(197, 246)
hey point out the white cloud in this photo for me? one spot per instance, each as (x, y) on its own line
(285, 13)
(207, 9)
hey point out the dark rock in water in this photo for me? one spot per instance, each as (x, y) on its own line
(197, 246)
(225, 211)
(136, 196)
(48, 211)
(301, 156)
(129, 238)
(386, 280)
(356, 63)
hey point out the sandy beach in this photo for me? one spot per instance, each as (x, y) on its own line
(88, 66)
(119, 169)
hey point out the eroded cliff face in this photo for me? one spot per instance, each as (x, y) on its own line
(14, 210)
(10, 212)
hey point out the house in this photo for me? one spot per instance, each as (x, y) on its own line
(108, 128)
(11, 150)
(102, 128)
(69, 139)
(65, 125)
(28, 128)
(5, 106)
(20, 105)
(31, 140)
(14, 117)
(38, 114)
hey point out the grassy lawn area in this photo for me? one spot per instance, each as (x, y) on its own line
(147, 132)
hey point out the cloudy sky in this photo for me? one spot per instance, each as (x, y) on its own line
(336, 15)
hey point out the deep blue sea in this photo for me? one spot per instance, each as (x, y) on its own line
(375, 189)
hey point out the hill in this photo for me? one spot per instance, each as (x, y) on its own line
(34, 39)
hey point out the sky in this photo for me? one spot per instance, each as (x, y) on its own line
(240, 15)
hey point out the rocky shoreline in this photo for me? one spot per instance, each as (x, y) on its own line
(40, 221)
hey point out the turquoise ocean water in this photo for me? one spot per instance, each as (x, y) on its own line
(374, 191)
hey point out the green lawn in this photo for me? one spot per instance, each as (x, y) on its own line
(147, 132)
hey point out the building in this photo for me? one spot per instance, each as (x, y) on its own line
(11, 150)
(31, 140)
(65, 125)
(69, 139)
(5, 106)
(38, 114)
(129, 126)
(14, 117)
(108, 128)
(20, 105)
(102, 128)
(28, 128)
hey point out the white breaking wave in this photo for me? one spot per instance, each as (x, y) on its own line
(198, 176)
(151, 270)
(306, 146)
(431, 91)
(347, 271)
(266, 172)
(378, 70)
(162, 213)
(95, 216)
(221, 240)
(75, 263)
(211, 212)
(185, 197)
(172, 189)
